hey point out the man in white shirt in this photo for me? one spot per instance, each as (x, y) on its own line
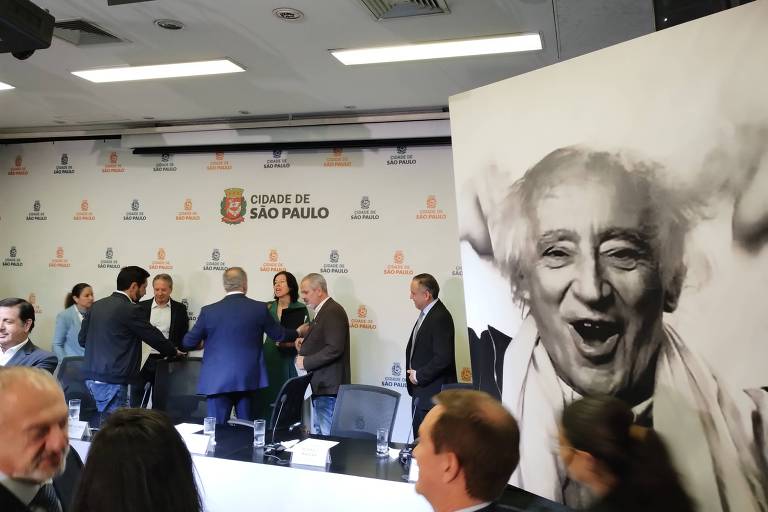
(467, 450)
(170, 317)
(17, 319)
(33, 440)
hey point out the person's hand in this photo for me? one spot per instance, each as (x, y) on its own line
(300, 362)
(179, 353)
(303, 329)
(299, 342)
(412, 376)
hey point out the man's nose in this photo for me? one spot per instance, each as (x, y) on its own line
(58, 439)
(589, 285)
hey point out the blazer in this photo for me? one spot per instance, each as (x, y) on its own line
(65, 342)
(233, 330)
(65, 486)
(326, 349)
(433, 355)
(112, 332)
(179, 320)
(32, 355)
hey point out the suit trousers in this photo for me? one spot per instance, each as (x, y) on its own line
(418, 416)
(220, 405)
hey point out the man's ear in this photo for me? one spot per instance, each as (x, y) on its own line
(450, 466)
(674, 289)
(28, 325)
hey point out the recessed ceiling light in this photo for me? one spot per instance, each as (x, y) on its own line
(5, 87)
(288, 13)
(129, 73)
(440, 49)
(168, 24)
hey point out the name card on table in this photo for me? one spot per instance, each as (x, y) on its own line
(77, 429)
(312, 452)
(197, 444)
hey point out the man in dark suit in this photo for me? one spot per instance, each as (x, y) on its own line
(171, 318)
(232, 333)
(112, 332)
(31, 399)
(429, 354)
(468, 449)
(17, 319)
(324, 351)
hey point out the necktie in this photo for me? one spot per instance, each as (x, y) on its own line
(413, 338)
(45, 500)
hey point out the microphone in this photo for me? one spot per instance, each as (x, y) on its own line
(407, 452)
(283, 398)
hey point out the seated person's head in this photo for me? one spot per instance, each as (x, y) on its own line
(138, 463)
(33, 424)
(467, 450)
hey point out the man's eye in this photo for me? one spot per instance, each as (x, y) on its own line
(626, 259)
(555, 257)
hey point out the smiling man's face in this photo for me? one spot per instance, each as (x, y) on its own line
(593, 281)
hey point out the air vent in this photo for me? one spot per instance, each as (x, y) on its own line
(81, 32)
(386, 9)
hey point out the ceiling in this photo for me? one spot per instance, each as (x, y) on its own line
(289, 70)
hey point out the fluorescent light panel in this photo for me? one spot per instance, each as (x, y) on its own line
(130, 73)
(4, 86)
(441, 49)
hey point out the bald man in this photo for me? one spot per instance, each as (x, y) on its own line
(33, 443)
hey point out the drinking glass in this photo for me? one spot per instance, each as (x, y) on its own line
(209, 428)
(382, 442)
(259, 429)
(74, 410)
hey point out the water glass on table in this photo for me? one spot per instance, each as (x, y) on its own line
(209, 428)
(382, 442)
(259, 433)
(74, 410)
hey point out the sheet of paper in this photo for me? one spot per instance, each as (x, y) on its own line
(312, 452)
(77, 429)
(197, 444)
(188, 428)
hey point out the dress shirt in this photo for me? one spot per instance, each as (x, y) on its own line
(25, 492)
(160, 317)
(234, 293)
(317, 309)
(475, 507)
(8, 354)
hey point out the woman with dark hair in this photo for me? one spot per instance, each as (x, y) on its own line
(626, 467)
(78, 301)
(138, 463)
(280, 356)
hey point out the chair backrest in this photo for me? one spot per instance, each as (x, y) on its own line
(361, 409)
(175, 389)
(289, 408)
(69, 374)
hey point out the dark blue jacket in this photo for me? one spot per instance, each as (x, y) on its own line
(112, 332)
(233, 330)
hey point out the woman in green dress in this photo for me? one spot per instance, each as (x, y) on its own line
(280, 356)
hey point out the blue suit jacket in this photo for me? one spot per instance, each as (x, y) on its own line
(65, 342)
(32, 355)
(233, 330)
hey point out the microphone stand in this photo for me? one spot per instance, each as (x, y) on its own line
(276, 447)
(407, 452)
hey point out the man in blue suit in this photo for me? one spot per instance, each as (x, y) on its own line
(232, 333)
(17, 319)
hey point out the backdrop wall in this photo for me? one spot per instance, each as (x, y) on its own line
(368, 220)
(684, 108)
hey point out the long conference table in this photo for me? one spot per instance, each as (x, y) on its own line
(235, 476)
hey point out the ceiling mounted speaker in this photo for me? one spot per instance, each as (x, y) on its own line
(387, 9)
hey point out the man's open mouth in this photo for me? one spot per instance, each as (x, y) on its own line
(595, 339)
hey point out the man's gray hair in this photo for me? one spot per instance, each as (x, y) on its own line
(234, 279)
(33, 378)
(165, 277)
(668, 217)
(316, 281)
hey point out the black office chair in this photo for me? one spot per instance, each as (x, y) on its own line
(286, 411)
(175, 390)
(69, 374)
(361, 409)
